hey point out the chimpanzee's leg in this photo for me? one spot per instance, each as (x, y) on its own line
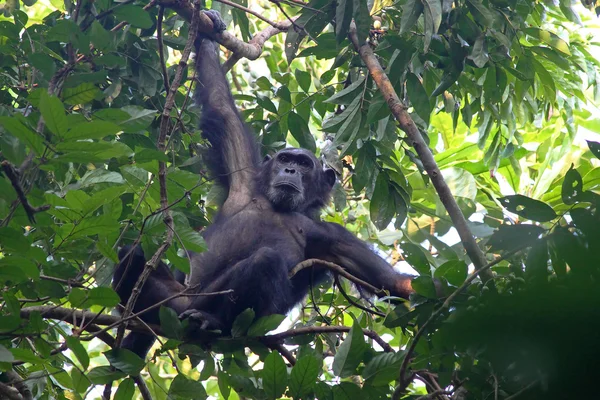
(160, 285)
(259, 282)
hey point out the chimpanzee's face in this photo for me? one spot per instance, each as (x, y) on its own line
(296, 180)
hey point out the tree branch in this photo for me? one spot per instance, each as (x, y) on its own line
(75, 317)
(412, 132)
(311, 262)
(16, 381)
(251, 50)
(13, 177)
(308, 330)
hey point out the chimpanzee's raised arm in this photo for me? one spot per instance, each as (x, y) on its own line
(234, 157)
(332, 242)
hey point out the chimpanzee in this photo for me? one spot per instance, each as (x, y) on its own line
(267, 225)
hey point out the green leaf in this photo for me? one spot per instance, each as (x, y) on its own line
(44, 63)
(572, 187)
(126, 390)
(5, 355)
(510, 237)
(383, 368)
(527, 207)
(303, 376)
(594, 148)
(481, 13)
(53, 112)
(185, 388)
(80, 352)
(274, 375)
(416, 258)
(362, 19)
(299, 130)
(314, 19)
(13, 126)
(343, 17)
(124, 360)
(347, 391)
(85, 152)
(242, 323)
(551, 39)
(82, 94)
(265, 324)
(347, 95)
(190, 239)
(350, 353)
(424, 286)
(140, 118)
(454, 271)
(92, 130)
(382, 208)
(170, 323)
(334, 123)
(418, 97)
(100, 37)
(349, 130)
(411, 11)
(80, 381)
(433, 19)
(536, 264)
(266, 103)
(104, 375)
(224, 385)
(103, 296)
(479, 54)
(134, 15)
(303, 79)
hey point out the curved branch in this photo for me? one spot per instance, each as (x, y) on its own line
(311, 262)
(251, 50)
(307, 330)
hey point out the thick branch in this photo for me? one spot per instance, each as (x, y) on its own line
(76, 317)
(408, 126)
(16, 381)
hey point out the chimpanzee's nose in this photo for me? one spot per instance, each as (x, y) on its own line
(290, 171)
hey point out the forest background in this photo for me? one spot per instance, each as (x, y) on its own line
(466, 137)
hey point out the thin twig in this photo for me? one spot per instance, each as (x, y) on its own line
(520, 392)
(13, 176)
(354, 303)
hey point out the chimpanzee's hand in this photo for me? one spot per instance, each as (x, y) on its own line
(218, 24)
(201, 320)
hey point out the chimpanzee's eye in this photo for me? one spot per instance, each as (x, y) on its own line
(303, 162)
(283, 158)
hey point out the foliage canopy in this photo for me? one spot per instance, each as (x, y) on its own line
(502, 91)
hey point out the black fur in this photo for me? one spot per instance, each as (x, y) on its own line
(267, 225)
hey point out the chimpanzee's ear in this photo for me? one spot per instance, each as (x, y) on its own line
(267, 158)
(330, 176)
